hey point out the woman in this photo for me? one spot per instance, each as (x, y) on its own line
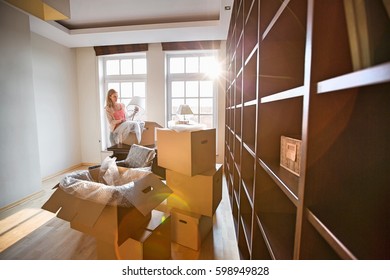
(116, 112)
(117, 116)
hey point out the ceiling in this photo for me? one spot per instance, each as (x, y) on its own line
(110, 22)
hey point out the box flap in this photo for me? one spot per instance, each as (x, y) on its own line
(88, 213)
(148, 192)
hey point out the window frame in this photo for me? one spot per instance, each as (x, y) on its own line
(106, 79)
(191, 77)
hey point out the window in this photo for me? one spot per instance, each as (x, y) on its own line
(126, 73)
(191, 80)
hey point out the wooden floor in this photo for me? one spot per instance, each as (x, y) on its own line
(29, 233)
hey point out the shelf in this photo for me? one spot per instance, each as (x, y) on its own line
(291, 93)
(370, 76)
(284, 57)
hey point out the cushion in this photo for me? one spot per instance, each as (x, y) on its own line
(140, 156)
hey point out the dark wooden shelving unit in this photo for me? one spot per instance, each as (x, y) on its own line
(291, 72)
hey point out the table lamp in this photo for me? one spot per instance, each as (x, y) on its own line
(136, 102)
(184, 110)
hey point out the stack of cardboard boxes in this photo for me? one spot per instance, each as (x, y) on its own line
(139, 232)
(195, 179)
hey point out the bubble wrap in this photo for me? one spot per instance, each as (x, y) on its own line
(80, 184)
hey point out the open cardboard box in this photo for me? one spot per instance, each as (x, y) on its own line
(148, 135)
(110, 224)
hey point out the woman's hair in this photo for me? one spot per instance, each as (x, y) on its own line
(108, 99)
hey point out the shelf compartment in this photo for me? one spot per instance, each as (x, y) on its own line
(260, 249)
(287, 182)
(268, 10)
(236, 180)
(251, 28)
(249, 127)
(276, 214)
(229, 182)
(334, 51)
(235, 212)
(347, 179)
(239, 56)
(237, 121)
(242, 243)
(238, 90)
(370, 76)
(276, 119)
(282, 52)
(247, 171)
(329, 247)
(237, 151)
(246, 216)
(250, 79)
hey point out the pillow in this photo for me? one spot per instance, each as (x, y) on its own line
(139, 156)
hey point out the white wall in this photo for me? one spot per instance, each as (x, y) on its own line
(156, 84)
(87, 88)
(19, 161)
(57, 105)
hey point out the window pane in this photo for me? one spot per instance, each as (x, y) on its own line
(193, 103)
(206, 106)
(139, 89)
(139, 66)
(207, 120)
(126, 68)
(192, 89)
(126, 90)
(206, 89)
(176, 65)
(177, 89)
(114, 86)
(192, 65)
(206, 63)
(112, 67)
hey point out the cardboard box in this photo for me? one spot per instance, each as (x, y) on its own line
(290, 154)
(148, 137)
(190, 229)
(110, 224)
(200, 194)
(187, 152)
(152, 242)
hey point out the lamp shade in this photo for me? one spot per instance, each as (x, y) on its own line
(184, 109)
(135, 105)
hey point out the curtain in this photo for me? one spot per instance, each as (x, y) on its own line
(194, 45)
(104, 50)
